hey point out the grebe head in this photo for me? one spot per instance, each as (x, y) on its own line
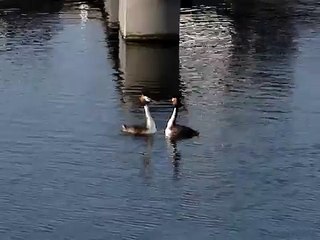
(144, 99)
(176, 102)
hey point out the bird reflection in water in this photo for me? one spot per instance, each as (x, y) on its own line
(146, 157)
(176, 157)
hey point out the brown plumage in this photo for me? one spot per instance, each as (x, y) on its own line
(135, 129)
(150, 127)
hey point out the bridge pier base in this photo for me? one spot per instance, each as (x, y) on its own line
(149, 20)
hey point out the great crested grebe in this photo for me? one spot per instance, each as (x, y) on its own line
(174, 131)
(150, 127)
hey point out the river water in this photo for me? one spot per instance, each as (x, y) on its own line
(248, 76)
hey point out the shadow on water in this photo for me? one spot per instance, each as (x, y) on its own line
(29, 6)
(29, 23)
(246, 70)
(263, 48)
(43, 6)
(263, 52)
(239, 41)
(263, 29)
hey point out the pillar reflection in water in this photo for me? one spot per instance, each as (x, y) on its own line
(153, 69)
(112, 9)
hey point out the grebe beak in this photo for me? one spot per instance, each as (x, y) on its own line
(147, 99)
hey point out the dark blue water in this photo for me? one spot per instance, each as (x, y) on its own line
(249, 79)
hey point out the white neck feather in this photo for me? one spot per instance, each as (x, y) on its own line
(151, 125)
(172, 118)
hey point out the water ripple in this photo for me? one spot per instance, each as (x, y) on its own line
(247, 77)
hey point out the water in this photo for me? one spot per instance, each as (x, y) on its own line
(248, 77)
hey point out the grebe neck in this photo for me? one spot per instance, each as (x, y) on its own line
(150, 122)
(172, 120)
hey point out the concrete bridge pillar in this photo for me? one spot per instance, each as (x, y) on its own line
(112, 9)
(149, 20)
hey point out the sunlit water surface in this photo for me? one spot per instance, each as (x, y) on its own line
(249, 78)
